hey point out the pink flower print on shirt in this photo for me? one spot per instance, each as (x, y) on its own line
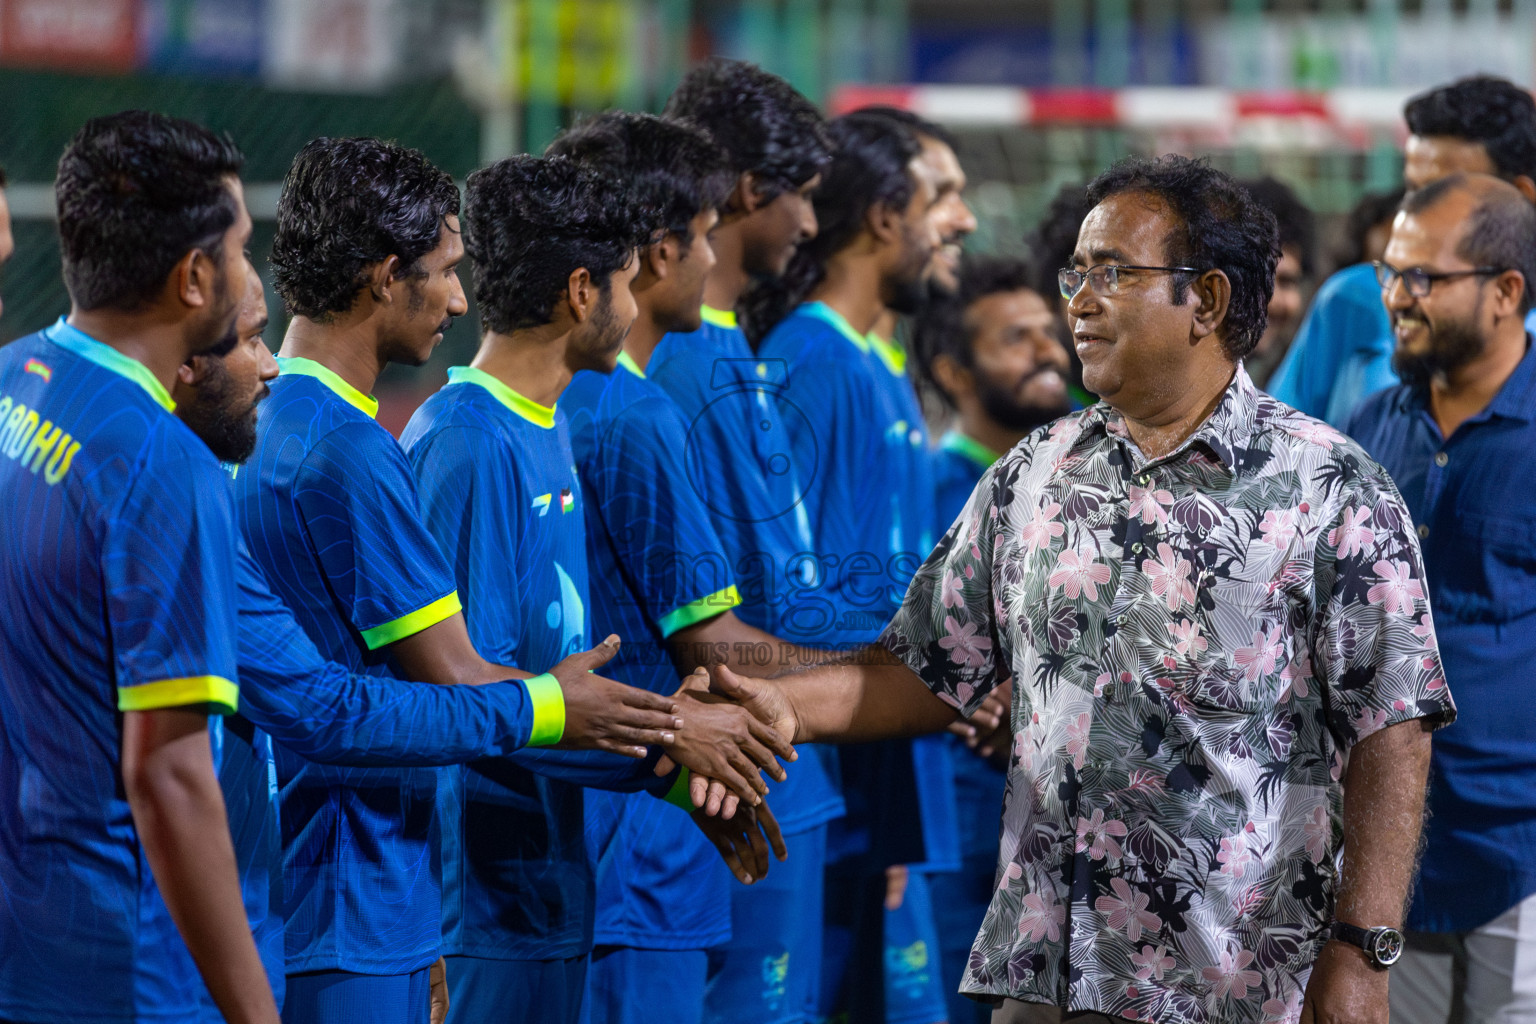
(1096, 837)
(1318, 831)
(1398, 590)
(1170, 578)
(1186, 636)
(1231, 976)
(1278, 528)
(964, 643)
(953, 588)
(1152, 962)
(1042, 528)
(1042, 917)
(1149, 503)
(1259, 660)
(1076, 573)
(1352, 535)
(1077, 739)
(1234, 855)
(1126, 910)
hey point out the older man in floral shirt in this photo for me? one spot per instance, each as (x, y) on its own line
(1225, 672)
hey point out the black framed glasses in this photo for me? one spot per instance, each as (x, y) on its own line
(1419, 281)
(1104, 279)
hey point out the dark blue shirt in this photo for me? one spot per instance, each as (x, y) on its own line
(1475, 510)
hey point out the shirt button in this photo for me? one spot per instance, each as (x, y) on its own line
(1441, 458)
(1423, 531)
(1136, 547)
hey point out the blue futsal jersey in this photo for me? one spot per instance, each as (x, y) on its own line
(328, 509)
(500, 490)
(739, 460)
(657, 567)
(117, 594)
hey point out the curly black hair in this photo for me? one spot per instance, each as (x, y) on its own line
(136, 191)
(673, 166)
(348, 204)
(868, 169)
(1296, 223)
(940, 328)
(531, 222)
(1490, 111)
(1372, 209)
(762, 123)
(1051, 244)
(1223, 228)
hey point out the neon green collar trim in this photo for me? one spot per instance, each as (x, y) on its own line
(825, 313)
(527, 408)
(299, 366)
(718, 317)
(67, 336)
(891, 353)
(628, 362)
(972, 449)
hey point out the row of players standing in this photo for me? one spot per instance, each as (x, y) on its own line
(732, 503)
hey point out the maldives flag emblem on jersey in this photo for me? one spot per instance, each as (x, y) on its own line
(567, 500)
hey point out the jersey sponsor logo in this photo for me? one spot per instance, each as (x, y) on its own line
(568, 615)
(34, 442)
(775, 979)
(542, 504)
(907, 968)
(40, 368)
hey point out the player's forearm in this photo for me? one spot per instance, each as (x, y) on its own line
(178, 812)
(743, 648)
(443, 654)
(867, 695)
(1383, 817)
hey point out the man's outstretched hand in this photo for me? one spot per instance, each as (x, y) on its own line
(759, 696)
(740, 840)
(602, 714)
(726, 749)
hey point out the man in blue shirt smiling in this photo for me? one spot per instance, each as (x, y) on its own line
(1457, 276)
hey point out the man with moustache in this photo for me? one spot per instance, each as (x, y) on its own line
(1456, 278)
(992, 351)
(1205, 600)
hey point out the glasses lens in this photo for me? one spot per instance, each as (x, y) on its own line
(1104, 280)
(1069, 281)
(1418, 282)
(1385, 276)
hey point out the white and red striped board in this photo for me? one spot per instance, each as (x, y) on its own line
(1349, 111)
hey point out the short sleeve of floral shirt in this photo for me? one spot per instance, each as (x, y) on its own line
(1195, 644)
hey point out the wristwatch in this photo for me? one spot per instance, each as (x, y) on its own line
(1383, 946)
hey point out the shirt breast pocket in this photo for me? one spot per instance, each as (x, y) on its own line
(1487, 573)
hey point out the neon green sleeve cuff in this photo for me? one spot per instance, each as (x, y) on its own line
(548, 702)
(175, 693)
(415, 622)
(706, 607)
(678, 794)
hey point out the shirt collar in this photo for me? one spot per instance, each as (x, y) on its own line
(1231, 426)
(69, 337)
(299, 366)
(826, 314)
(627, 361)
(718, 317)
(890, 352)
(970, 448)
(527, 408)
(1514, 399)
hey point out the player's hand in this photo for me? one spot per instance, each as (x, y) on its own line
(896, 878)
(740, 840)
(602, 714)
(723, 743)
(438, 976)
(762, 697)
(1344, 988)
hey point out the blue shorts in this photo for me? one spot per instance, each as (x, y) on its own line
(641, 986)
(880, 966)
(770, 972)
(960, 901)
(482, 991)
(341, 997)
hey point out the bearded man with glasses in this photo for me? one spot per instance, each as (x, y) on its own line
(1456, 281)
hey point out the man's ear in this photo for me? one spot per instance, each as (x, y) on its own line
(194, 276)
(952, 378)
(194, 371)
(745, 196)
(384, 273)
(1508, 289)
(580, 294)
(884, 222)
(1212, 292)
(660, 257)
(1526, 185)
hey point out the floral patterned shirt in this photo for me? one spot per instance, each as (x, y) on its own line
(1195, 642)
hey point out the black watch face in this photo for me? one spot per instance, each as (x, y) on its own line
(1386, 946)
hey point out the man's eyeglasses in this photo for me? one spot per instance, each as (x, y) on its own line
(1419, 281)
(1104, 279)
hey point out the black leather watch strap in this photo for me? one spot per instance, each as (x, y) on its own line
(1382, 946)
